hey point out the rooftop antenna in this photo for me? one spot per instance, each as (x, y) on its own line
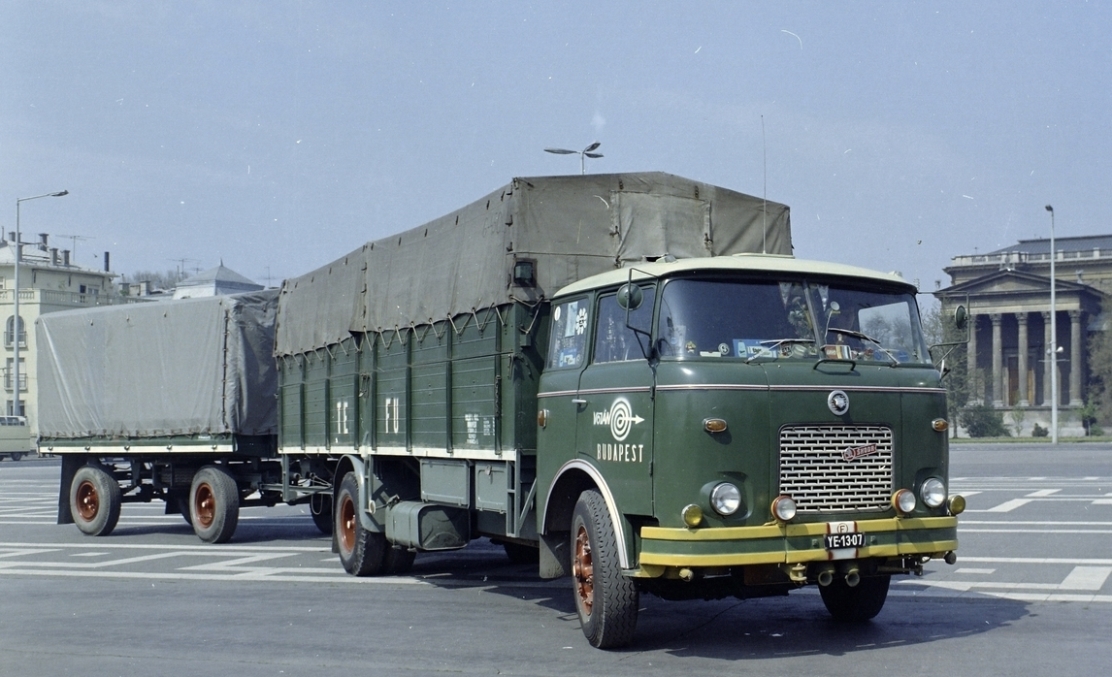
(75, 239)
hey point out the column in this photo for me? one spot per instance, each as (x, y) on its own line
(975, 393)
(1075, 358)
(1021, 318)
(1047, 359)
(997, 362)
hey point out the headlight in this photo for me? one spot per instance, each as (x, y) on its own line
(933, 492)
(783, 508)
(725, 499)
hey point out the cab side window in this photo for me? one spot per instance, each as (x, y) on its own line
(615, 341)
(568, 344)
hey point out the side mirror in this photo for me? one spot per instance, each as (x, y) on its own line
(630, 297)
(961, 317)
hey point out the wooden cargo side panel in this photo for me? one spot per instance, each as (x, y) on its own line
(343, 391)
(391, 405)
(428, 417)
(315, 414)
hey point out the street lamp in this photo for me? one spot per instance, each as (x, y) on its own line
(17, 323)
(1052, 349)
(585, 153)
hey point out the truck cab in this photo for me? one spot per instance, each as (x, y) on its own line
(742, 425)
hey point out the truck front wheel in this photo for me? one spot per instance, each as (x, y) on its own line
(95, 500)
(362, 552)
(858, 603)
(214, 504)
(605, 599)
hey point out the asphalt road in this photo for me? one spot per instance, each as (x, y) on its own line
(1029, 595)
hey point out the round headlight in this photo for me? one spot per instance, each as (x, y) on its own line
(692, 515)
(933, 492)
(725, 499)
(783, 508)
(903, 501)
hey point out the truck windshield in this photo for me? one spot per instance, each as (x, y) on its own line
(769, 319)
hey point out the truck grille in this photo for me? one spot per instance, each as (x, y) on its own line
(836, 468)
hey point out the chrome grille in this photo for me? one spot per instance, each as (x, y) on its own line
(819, 471)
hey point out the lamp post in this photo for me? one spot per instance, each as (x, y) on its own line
(17, 323)
(1052, 349)
(585, 153)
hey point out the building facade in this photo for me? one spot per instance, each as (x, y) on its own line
(1007, 293)
(48, 282)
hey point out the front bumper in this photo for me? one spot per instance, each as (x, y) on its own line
(664, 548)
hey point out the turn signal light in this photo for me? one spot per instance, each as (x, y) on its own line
(692, 515)
(957, 504)
(714, 425)
(940, 425)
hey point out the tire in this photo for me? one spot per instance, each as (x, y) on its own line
(605, 599)
(362, 552)
(859, 603)
(95, 499)
(16, 456)
(320, 507)
(182, 502)
(214, 504)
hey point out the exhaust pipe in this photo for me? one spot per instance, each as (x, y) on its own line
(826, 576)
(853, 576)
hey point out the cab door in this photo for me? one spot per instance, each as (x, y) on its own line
(615, 401)
(558, 396)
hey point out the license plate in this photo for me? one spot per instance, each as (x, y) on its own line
(839, 541)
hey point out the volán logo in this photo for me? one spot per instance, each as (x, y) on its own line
(854, 453)
(619, 417)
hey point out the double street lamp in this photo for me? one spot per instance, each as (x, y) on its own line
(585, 153)
(17, 322)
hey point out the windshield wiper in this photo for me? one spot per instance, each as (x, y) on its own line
(865, 337)
(773, 344)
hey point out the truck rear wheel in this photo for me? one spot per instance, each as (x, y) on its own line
(362, 552)
(214, 504)
(95, 500)
(860, 603)
(605, 599)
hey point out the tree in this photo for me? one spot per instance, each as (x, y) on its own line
(949, 348)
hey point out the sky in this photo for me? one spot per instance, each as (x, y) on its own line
(277, 136)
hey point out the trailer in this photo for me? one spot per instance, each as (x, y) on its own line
(170, 401)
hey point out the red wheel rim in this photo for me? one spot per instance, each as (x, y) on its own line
(583, 569)
(347, 523)
(204, 505)
(88, 501)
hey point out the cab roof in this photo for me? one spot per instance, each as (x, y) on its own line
(737, 263)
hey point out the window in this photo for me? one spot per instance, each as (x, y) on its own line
(9, 332)
(614, 340)
(569, 334)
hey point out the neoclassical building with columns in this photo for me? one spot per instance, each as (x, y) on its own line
(1007, 293)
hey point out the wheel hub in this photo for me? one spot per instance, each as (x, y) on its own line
(88, 502)
(583, 569)
(204, 505)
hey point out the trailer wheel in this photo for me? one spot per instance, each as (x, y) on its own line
(320, 507)
(362, 552)
(214, 504)
(859, 603)
(182, 503)
(605, 599)
(95, 500)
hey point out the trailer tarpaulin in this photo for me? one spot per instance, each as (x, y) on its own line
(566, 228)
(176, 368)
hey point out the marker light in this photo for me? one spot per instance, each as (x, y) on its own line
(957, 504)
(692, 515)
(903, 501)
(783, 508)
(940, 425)
(725, 499)
(933, 492)
(714, 425)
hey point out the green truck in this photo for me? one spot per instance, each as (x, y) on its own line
(625, 378)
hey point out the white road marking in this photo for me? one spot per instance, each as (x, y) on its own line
(1008, 506)
(1043, 492)
(970, 570)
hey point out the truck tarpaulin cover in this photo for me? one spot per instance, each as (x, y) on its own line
(190, 367)
(569, 227)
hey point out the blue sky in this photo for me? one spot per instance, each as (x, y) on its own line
(277, 136)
